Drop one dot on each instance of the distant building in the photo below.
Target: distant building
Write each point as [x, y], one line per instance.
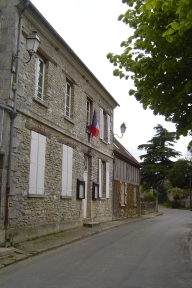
[126, 194]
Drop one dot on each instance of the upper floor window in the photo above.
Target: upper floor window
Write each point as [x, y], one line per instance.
[88, 112]
[104, 126]
[39, 77]
[68, 100]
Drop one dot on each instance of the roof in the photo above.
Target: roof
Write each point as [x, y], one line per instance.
[121, 152]
[44, 22]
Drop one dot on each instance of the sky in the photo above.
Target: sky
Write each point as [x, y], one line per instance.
[92, 30]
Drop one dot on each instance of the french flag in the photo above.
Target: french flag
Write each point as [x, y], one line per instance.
[93, 129]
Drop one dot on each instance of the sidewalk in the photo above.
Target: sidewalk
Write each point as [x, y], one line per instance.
[33, 247]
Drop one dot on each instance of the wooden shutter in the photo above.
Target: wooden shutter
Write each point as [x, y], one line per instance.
[100, 181]
[101, 124]
[108, 129]
[69, 168]
[37, 163]
[64, 171]
[107, 180]
[125, 193]
[36, 75]
[41, 164]
[33, 163]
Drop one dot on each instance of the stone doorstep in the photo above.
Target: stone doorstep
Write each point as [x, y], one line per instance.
[4, 252]
[91, 224]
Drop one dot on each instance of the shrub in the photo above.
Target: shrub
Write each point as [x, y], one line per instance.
[149, 197]
[178, 193]
[174, 204]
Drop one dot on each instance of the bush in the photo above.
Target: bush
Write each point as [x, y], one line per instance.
[178, 193]
[149, 197]
[174, 204]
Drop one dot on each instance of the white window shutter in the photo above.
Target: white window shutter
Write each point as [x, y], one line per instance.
[135, 196]
[41, 164]
[33, 163]
[107, 180]
[64, 171]
[67, 166]
[100, 181]
[101, 124]
[125, 193]
[70, 165]
[108, 129]
[36, 74]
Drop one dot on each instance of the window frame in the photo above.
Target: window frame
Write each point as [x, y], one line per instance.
[88, 110]
[37, 77]
[68, 96]
[105, 122]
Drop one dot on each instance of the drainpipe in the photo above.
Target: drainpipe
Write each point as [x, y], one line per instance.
[13, 115]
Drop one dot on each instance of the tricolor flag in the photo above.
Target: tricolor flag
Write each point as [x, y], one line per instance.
[93, 128]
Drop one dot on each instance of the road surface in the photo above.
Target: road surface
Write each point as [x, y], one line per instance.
[148, 254]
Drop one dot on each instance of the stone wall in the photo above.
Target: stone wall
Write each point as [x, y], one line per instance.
[35, 216]
[129, 209]
[148, 207]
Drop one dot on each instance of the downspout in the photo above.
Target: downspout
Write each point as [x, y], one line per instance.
[13, 115]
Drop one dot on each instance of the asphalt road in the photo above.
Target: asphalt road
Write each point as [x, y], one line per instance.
[147, 254]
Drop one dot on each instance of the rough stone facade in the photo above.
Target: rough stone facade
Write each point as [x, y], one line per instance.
[31, 216]
[126, 196]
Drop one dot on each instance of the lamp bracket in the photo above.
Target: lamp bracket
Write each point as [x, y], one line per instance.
[118, 136]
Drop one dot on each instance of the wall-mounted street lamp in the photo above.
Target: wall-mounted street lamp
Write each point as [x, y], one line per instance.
[32, 42]
[122, 129]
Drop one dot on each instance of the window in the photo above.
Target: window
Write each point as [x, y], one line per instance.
[123, 193]
[104, 126]
[39, 78]
[68, 100]
[103, 179]
[88, 112]
[37, 163]
[67, 163]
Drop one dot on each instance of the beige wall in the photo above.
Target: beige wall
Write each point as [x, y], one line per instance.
[35, 216]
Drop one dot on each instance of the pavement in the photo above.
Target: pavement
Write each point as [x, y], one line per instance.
[30, 248]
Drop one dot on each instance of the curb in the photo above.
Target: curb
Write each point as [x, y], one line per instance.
[14, 258]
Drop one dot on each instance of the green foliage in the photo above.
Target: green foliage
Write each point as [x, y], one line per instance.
[178, 175]
[161, 70]
[149, 197]
[178, 193]
[156, 162]
[182, 10]
[174, 204]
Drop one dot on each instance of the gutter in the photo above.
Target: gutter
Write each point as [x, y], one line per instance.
[13, 114]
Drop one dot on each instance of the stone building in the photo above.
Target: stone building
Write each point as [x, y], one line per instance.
[126, 194]
[52, 177]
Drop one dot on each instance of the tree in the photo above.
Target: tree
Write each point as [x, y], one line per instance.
[178, 175]
[161, 71]
[182, 19]
[156, 163]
